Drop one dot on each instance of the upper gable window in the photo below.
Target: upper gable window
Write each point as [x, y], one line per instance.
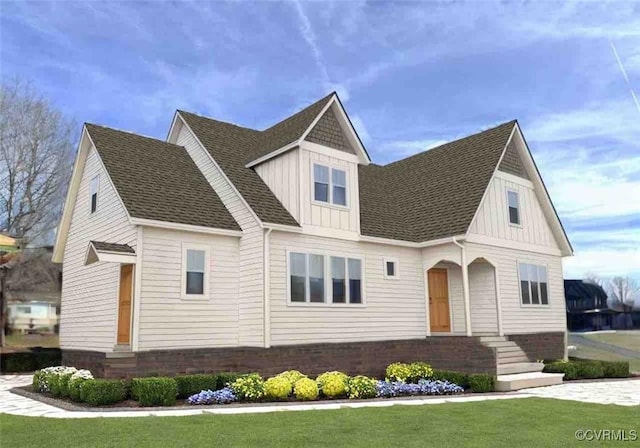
[95, 185]
[329, 185]
[195, 267]
[514, 207]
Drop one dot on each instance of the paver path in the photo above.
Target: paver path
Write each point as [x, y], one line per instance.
[626, 393]
[576, 339]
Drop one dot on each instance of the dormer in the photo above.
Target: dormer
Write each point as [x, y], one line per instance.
[315, 176]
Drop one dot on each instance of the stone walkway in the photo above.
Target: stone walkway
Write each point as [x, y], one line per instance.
[624, 393]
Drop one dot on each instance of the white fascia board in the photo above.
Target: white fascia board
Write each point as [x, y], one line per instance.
[185, 227]
[273, 154]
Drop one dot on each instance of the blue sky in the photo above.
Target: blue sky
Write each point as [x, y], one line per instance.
[411, 75]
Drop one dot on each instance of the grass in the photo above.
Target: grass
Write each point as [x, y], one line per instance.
[32, 340]
[625, 339]
[583, 352]
[502, 423]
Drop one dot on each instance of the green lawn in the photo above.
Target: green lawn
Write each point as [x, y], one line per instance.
[32, 340]
[519, 422]
[625, 339]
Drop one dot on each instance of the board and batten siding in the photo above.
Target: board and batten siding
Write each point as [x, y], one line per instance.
[89, 300]
[517, 318]
[393, 309]
[281, 174]
[250, 294]
[492, 219]
[169, 321]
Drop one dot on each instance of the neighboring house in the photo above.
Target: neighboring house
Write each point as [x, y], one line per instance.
[231, 248]
[587, 308]
[8, 244]
[33, 316]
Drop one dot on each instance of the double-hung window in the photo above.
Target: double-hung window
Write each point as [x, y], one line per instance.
[309, 284]
[534, 288]
[514, 207]
[195, 271]
[93, 193]
[329, 185]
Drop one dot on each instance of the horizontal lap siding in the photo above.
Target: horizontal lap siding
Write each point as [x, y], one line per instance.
[482, 298]
[250, 296]
[167, 320]
[394, 309]
[90, 293]
[516, 318]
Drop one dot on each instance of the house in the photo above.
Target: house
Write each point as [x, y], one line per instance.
[32, 316]
[587, 308]
[228, 248]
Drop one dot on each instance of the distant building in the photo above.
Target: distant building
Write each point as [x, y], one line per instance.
[33, 316]
[587, 308]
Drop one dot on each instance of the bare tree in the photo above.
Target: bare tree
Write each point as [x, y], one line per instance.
[623, 291]
[594, 279]
[36, 155]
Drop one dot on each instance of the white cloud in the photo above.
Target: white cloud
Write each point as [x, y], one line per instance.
[603, 262]
[361, 129]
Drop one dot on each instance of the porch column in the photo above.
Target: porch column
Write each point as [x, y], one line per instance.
[465, 290]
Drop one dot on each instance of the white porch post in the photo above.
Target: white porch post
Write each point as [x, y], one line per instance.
[465, 291]
[496, 278]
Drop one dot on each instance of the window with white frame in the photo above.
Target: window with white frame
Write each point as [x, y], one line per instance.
[93, 193]
[195, 271]
[329, 185]
[513, 200]
[309, 284]
[534, 289]
[390, 268]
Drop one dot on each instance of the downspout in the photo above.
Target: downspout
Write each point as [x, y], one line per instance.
[465, 285]
[266, 284]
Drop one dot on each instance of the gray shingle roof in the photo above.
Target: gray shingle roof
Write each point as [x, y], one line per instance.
[113, 247]
[431, 195]
[157, 180]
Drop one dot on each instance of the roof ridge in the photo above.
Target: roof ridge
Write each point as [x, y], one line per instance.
[147, 137]
[442, 146]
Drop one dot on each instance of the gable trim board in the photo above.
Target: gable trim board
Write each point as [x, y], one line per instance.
[187, 227]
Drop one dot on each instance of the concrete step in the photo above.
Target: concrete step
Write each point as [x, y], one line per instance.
[508, 349]
[517, 381]
[511, 357]
[519, 367]
[485, 339]
[500, 344]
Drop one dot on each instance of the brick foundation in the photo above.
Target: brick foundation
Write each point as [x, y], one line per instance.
[538, 346]
[465, 354]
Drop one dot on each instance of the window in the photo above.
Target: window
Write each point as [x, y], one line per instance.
[196, 266]
[24, 309]
[533, 284]
[330, 189]
[390, 268]
[95, 183]
[514, 207]
[309, 284]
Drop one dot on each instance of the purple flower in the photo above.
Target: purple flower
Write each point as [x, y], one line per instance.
[423, 387]
[222, 396]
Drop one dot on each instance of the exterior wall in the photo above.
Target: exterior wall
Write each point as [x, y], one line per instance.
[482, 298]
[281, 174]
[167, 320]
[250, 294]
[517, 318]
[392, 309]
[545, 346]
[328, 132]
[365, 358]
[492, 219]
[90, 293]
[329, 216]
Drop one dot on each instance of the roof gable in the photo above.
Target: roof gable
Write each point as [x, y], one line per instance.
[327, 132]
[512, 163]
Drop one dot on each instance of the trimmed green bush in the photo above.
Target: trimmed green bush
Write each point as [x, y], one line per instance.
[154, 391]
[29, 361]
[59, 385]
[226, 378]
[615, 369]
[459, 378]
[362, 387]
[249, 387]
[420, 371]
[481, 382]
[192, 384]
[590, 369]
[99, 392]
[569, 368]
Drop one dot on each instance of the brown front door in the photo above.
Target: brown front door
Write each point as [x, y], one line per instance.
[439, 300]
[124, 304]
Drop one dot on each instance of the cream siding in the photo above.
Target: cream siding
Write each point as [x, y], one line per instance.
[492, 219]
[250, 296]
[90, 293]
[482, 297]
[392, 309]
[169, 321]
[281, 174]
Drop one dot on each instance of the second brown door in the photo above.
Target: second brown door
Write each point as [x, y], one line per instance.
[439, 300]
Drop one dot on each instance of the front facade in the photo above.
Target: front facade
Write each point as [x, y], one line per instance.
[227, 248]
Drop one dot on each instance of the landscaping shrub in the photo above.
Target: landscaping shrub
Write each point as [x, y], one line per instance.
[192, 384]
[306, 389]
[420, 371]
[388, 389]
[226, 378]
[248, 387]
[481, 382]
[222, 396]
[154, 391]
[590, 369]
[459, 378]
[333, 384]
[398, 371]
[99, 392]
[292, 375]
[37, 358]
[277, 388]
[569, 368]
[53, 379]
[615, 369]
[362, 387]
[59, 384]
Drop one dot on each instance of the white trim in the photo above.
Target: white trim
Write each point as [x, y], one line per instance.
[273, 154]
[496, 279]
[514, 245]
[425, 281]
[465, 285]
[347, 187]
[207, 272]
[518, 208]
[184, 227]
[116, 343]
[353, 135]
[451, 329]
[266, 278]
[222, 173]
[282, 227]
[514, 179]
[396, 268]
[540, 305]
[135, 335]
[108, 256]
[328, 287]
[329, 152]
[392, 242]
